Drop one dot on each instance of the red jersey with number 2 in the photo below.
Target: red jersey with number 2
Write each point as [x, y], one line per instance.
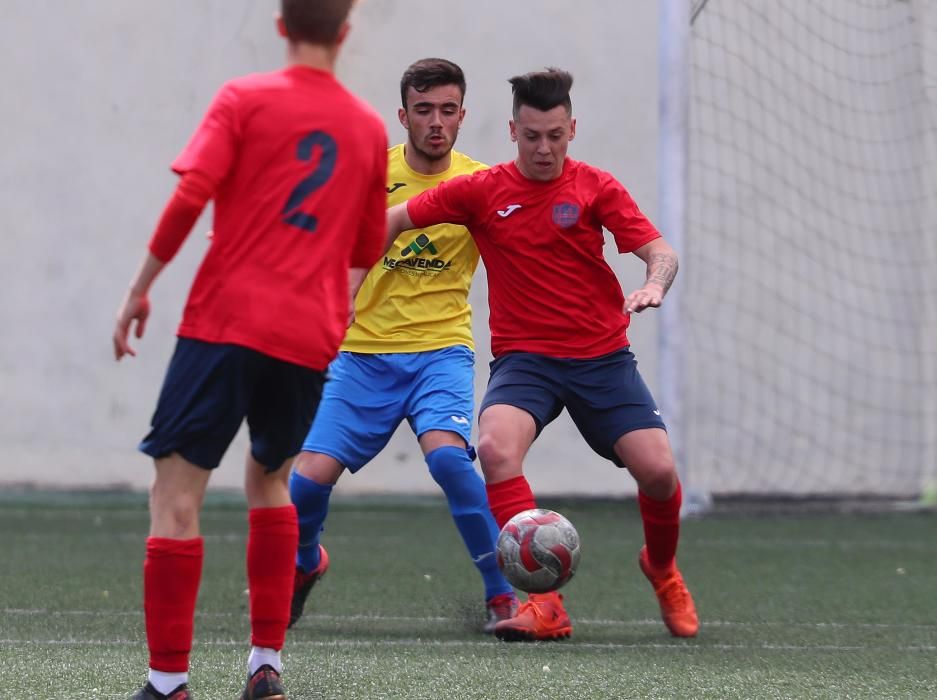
[298, 165]
[550, 289]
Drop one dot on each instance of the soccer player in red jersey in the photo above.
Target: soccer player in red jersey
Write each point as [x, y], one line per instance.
[558, 322]
[296, 166]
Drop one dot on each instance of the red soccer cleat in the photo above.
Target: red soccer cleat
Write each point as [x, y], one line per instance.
[303, 583]
[264, 685]
[499, 607]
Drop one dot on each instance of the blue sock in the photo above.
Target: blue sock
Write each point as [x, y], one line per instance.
[452, 469]
[312, 506]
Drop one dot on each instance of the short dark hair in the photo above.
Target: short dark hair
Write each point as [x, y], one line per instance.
[428, 73]
[542, 90]
[314, 21]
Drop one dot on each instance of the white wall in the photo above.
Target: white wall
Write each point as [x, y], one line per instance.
[99, 96]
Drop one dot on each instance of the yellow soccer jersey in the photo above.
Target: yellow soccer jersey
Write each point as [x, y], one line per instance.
[416, 297]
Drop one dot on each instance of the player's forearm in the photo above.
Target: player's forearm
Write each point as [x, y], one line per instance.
[356, 277]
[146, 274]
[662, 264]
[662, 270]
[398, 221]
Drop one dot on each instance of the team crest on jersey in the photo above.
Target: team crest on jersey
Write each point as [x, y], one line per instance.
[565, 214]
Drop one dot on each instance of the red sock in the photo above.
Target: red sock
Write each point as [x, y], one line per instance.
[508, 498]
[661, 527]
[271, 560]
[172, 571]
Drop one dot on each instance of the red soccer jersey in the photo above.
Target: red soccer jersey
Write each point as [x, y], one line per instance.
[298, 165]
[550, 290]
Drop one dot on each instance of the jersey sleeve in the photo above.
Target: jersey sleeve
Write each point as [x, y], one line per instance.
[455, 201]
[181, 212]
[213, 147]
[372, 232]
[618, 212]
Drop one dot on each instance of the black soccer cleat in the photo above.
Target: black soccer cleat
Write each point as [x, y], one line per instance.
[264, 685]
[303, 583]
[148, 692]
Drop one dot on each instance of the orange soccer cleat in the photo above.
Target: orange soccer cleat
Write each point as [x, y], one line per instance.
[542, 617]
[676, 603]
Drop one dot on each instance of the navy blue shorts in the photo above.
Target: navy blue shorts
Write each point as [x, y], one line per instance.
[605, 396]
[210, 388]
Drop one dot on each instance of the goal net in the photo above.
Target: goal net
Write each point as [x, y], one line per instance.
[809, 269]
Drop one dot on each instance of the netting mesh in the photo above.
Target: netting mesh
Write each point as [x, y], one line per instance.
[809, 270]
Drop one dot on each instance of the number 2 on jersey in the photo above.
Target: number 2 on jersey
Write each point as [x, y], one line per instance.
[323, 171]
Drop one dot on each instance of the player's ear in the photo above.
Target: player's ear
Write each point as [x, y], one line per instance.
[281, 25]
[404, 119]
[342, 33]
[572, 129]
[513, 128]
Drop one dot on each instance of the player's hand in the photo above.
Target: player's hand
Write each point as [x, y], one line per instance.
[134, 308]
[650, 295]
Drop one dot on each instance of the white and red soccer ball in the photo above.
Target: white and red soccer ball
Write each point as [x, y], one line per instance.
[538, 550]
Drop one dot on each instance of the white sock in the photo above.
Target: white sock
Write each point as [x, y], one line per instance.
[167, 682]
[262, 655]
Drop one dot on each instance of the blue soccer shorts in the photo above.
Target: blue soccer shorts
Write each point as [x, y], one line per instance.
[605, 396]
[368, 395]
[210, 388]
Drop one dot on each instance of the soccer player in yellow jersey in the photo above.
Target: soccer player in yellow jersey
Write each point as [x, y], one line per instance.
[409, 351]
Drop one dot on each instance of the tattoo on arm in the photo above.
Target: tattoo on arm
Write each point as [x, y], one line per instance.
[661, 269]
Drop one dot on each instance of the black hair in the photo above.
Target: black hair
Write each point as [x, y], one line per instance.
[542, 90]
[428, 73]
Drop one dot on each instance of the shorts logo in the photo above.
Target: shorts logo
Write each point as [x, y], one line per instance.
[461, 420]
[565, 214]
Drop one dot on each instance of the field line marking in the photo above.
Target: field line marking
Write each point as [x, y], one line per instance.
[597, 622]
[489, 643]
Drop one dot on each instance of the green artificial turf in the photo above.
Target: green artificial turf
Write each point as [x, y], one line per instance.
[800, 606]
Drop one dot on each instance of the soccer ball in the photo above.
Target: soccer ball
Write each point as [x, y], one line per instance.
[538, 550]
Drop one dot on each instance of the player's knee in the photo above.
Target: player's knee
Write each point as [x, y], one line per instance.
[174, 516]
[319, 467]
[657, 479]
[498, 461]
[452, 469]
[449, 463]
[492, 452]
